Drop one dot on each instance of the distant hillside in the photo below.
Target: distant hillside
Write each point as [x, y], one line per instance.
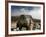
[15, 18]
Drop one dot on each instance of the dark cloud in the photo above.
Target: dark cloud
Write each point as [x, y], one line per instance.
[18, 8]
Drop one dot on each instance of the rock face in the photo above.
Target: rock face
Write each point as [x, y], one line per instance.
[24, 22]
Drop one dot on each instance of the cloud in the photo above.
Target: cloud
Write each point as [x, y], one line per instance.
[35, 12]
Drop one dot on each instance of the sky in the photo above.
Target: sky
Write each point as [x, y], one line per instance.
[27, 10]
